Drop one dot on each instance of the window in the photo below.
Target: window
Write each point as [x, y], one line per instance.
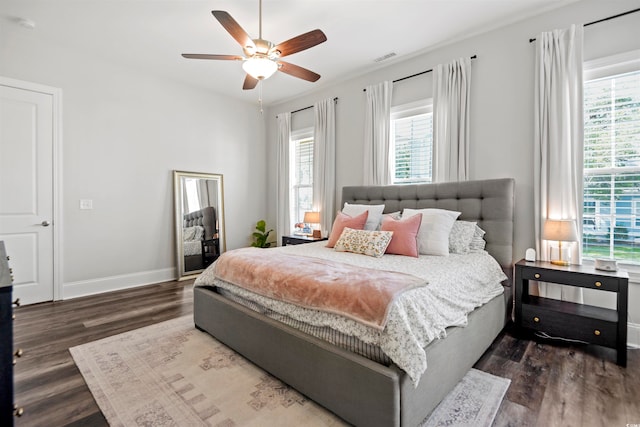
[412, 142]
[611, 226]
[301, 199]
[191, 190]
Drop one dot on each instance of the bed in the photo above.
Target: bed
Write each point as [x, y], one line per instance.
[359, 390]
[200, 244]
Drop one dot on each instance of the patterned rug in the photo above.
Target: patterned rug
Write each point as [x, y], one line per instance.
[171, 374]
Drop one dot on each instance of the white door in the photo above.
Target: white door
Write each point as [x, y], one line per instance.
[26, 190]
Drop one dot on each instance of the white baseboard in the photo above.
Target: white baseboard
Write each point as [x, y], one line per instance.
[633, 335]
[101, 285]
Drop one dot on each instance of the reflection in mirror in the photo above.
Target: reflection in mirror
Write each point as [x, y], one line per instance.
[199, 220]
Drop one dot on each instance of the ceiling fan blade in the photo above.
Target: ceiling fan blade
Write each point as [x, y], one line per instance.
[234, 29]
[301, 42]
[297, 71]
[220, 57]
[249, 82]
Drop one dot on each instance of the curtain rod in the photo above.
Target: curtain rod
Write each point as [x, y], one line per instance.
[310, 106]
[416, 74]
[603, 19]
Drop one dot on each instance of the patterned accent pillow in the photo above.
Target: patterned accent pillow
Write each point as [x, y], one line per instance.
[461, 235]
[366, 242]
[343, 220]
[477, 243]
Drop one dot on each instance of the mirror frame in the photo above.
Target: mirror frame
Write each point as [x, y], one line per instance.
[178, 198]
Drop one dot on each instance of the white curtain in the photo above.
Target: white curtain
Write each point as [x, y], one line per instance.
[558, 152]
[283, 225]
[324, 162]
[451, 96]
[377, 170]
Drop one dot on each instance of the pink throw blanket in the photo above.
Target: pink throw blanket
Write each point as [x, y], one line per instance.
[362, 294]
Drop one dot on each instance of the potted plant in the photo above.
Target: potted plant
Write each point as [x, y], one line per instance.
[261, 235]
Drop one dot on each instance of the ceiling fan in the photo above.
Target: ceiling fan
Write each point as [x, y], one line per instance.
[262, 58]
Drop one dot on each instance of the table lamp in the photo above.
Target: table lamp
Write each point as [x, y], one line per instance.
[312, 218]
[562, 230]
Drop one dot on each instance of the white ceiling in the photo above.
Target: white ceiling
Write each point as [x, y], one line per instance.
[151, 34]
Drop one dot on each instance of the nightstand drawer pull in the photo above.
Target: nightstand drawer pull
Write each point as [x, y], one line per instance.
[537, 276]
[536, 319]
[596, 333]
[598, 284]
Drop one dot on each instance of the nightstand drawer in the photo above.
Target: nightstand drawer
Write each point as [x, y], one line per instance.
[602, 283]
[567, 325]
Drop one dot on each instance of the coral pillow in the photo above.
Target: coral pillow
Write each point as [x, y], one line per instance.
[405, 234]
[343, 220]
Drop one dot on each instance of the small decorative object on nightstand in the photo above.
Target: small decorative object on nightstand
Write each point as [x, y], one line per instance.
[596, 325]
[299, 240]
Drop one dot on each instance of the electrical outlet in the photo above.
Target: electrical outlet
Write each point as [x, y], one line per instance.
[86, 204]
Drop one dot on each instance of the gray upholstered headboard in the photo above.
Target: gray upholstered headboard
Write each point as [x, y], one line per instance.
[206, 217]
[489, 202]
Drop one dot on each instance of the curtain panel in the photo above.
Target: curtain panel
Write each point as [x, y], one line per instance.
[324, 162]
[283, 226]
[377, 170]
[558, 145]
[451, 106]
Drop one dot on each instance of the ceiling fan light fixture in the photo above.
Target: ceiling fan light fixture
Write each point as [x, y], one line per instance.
[260, 67]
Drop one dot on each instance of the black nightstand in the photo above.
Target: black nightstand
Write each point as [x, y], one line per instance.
[595, 325]
[299, 240]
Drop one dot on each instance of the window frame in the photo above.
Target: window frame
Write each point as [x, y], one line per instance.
[295, 138]
[408, 110]
[599, 68]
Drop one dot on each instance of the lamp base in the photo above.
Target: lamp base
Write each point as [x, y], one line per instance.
[560, 262]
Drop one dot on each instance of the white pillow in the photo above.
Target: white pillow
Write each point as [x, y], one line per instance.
[375, 214]
[433, 237]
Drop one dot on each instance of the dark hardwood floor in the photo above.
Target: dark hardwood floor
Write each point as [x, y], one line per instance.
[551, 385]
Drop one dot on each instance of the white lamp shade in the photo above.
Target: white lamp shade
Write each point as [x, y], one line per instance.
[311, 217]
[563, 230]
[259, 67]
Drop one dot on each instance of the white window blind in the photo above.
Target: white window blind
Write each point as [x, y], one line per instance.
[302, 188]
[412, 143]
[611, 211]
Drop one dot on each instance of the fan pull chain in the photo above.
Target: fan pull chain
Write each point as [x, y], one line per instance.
[260, 96]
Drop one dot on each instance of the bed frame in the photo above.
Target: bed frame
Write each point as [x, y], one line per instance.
[360, 391]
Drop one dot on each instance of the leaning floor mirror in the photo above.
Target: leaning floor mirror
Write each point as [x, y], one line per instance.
[199, 221]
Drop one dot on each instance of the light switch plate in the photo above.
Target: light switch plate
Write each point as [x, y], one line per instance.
[86, 204]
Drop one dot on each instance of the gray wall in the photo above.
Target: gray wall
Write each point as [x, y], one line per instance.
[501, 103]
[124, 131]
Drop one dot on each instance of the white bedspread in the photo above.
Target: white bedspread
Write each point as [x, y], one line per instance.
[457, 284]
[192, 247]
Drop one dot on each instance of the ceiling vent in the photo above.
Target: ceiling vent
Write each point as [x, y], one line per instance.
[385, 57]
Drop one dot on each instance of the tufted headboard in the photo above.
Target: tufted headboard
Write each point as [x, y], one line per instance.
[489, 202]
[206, 217]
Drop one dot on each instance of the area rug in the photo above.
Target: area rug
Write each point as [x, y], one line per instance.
[171, 374]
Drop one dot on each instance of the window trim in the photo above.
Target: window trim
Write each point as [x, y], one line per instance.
[410, 109]
[603, 67]
[296, 135]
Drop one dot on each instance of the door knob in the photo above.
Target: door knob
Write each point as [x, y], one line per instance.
[45, 223]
